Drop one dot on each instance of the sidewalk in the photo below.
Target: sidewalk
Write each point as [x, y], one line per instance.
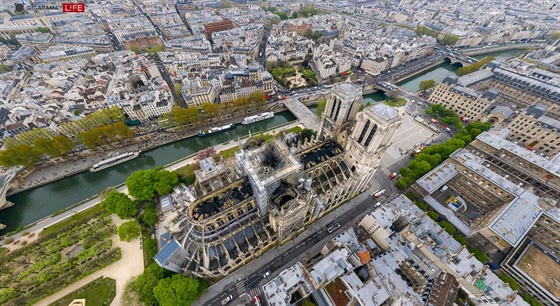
[264, 260]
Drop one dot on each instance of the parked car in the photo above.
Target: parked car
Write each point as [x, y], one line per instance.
[266, 274]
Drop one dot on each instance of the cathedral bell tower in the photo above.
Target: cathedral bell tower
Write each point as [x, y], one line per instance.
[343, 103]
[374, 129]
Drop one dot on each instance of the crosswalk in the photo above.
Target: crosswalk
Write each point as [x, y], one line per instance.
[240, 287]
[255, 292]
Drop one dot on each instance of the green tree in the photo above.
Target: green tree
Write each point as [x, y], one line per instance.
[128, 231]
[180, 114]
[164, 181]
[120, 204]
[316, 36]
[449, 39]
[282, 15]
[177, 290]
[210, 109]
[149, 216]
[257, 99]
[426, 84]
[122, 131]
[140, 184]
[178, 88]
[145, 184]
[135, 49]
[307, 302]
[155, 49]
[474, 66]
[19, 154]
[147, 281]
[321, 107]
[43, 30]
[193, 114]
[294, 15]
[307, 133]
[4, 68]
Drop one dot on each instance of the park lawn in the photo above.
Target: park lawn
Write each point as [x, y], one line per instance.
[399, 102]
[99, 292]
[227, 153]
[83, 215]
[185, 171]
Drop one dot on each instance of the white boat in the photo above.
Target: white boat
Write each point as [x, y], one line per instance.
[115, 160]
[257, 118]
[216, 130]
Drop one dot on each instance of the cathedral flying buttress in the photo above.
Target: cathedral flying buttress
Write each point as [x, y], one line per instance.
[270, 192]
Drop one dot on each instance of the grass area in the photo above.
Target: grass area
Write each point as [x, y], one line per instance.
[64, 254]
[229, 152]
[149, 246]
[76, 218]
[99, 292]
[397, 103]
[186, 174]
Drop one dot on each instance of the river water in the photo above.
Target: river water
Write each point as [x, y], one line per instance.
[439, 72]
[40, 202]
[35, 204]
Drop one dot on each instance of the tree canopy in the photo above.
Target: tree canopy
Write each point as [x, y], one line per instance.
[177, 290]
[19, 154]
[146, 282]
[433, 155]
[120, 204]
[445, 115]
[449, 39]
[4, 68]
[426, 84]
[128, 231]
[474, 66]
[145, 184]
[149, 216]
[321, 107]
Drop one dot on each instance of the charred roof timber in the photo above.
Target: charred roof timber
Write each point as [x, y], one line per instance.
[271, 158]
[220, 202]
[320, 154]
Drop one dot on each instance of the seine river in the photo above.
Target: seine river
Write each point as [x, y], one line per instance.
[35, 204]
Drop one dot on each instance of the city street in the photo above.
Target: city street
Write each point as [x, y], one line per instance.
[307, 245]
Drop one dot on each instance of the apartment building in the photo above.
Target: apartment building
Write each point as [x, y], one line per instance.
[536, 131]
[493, 190]
[198, 91]
[468, 103]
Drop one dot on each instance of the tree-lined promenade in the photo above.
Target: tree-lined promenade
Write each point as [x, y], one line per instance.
[105, 130]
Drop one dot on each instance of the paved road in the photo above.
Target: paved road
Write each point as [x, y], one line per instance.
[304, 247]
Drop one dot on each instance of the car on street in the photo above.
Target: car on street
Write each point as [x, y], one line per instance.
[227, 299]
[377, 194]
[266, 274]
[393, 175]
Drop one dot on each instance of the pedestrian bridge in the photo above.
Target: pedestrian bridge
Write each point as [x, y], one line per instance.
[5, 180]
[306, 116]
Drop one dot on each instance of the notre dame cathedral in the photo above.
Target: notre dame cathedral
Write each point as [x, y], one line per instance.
[271, 191]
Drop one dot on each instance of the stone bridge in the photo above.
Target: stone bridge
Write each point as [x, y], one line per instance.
[483, 50]
[306, 116]
[5, 180]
